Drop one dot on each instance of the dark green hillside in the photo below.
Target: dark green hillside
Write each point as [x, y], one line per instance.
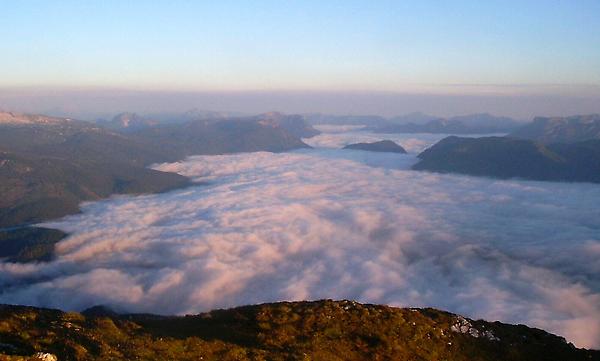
[28, 244]
[322, 330]
[77, 141]
[37, 188]
[504, 157]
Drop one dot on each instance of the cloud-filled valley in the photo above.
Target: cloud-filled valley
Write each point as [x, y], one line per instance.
[335, 136]
[328, 223]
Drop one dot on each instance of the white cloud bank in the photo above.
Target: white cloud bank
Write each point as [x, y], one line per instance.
[323, 224]
[338, 136]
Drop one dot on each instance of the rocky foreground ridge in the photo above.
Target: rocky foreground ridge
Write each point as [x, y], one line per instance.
[320, 330]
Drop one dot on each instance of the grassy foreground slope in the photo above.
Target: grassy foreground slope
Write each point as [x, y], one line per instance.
[321, 330]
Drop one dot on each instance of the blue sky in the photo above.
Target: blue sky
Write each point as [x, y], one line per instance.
[437, 46]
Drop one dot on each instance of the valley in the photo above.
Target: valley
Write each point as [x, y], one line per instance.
[307, 208]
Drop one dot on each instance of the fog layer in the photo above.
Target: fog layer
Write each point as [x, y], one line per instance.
[328, 223]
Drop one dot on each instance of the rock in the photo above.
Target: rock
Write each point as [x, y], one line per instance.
[45, 356]
[464, 326]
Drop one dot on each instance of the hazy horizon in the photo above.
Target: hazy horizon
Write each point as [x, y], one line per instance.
[89, 104]
[386, 58]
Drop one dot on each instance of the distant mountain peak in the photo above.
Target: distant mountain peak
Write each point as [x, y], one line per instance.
[294, 124]
[561, 129]
[128, 119]
[20, 118]
[273, 114]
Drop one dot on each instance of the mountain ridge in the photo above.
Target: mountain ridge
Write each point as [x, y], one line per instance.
[418, 122]
[506, 157]
[48, 166]
[304, 330]
[570, 129]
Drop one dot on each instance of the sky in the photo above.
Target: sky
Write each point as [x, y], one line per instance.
[475, 48]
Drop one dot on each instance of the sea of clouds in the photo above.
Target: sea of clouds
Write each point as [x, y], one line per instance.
[330, 223]
[337, 136]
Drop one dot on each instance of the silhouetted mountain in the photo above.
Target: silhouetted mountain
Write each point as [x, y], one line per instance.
[381, 146]
[219, 137]
[295, 124]
[505, 157]
[99, 311]
[432, 126]
[467, 124]
[487, 121]
[128, 122]
[370, 120]
[409, 123]
[125, 122]
[320, 330]
[201, 114]
[414, 118]
[561, 129]
[190, 115]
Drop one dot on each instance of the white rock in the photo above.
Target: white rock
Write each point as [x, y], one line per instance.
[45, 356]
[462, 325]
